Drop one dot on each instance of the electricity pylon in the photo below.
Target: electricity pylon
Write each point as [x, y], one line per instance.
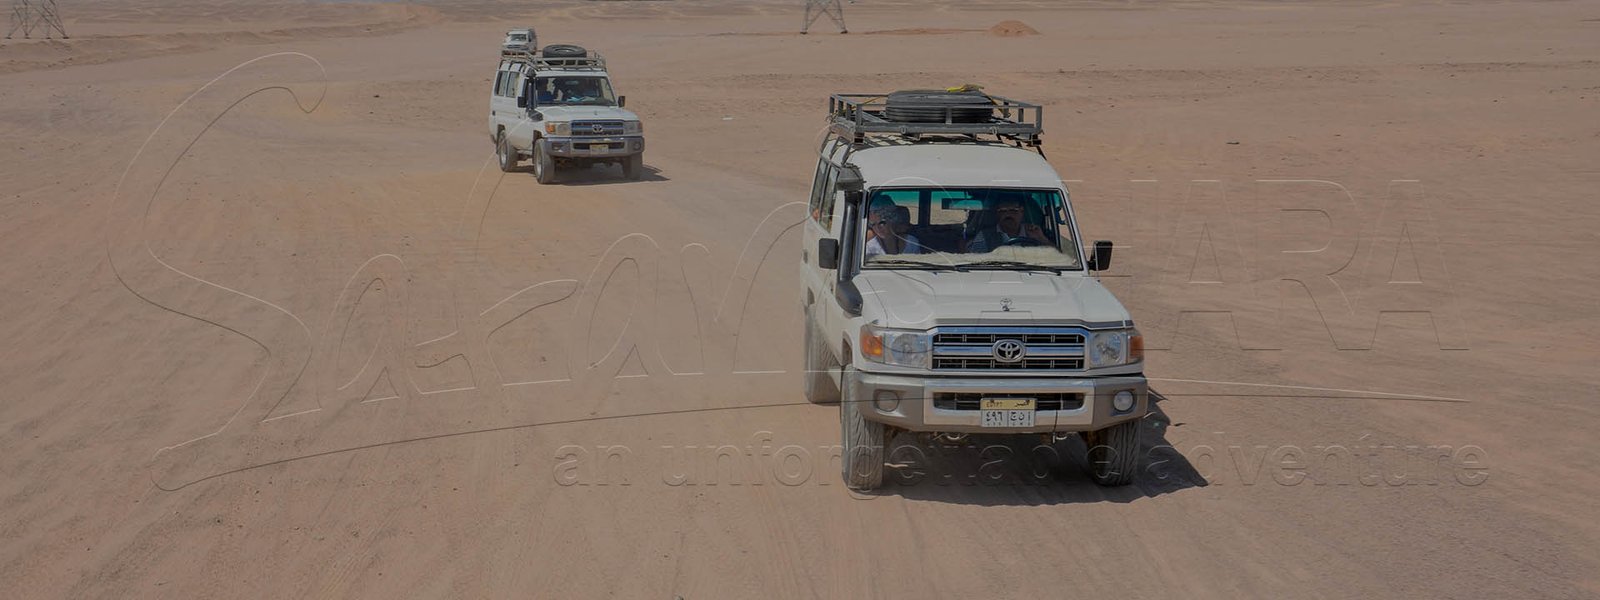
[29, 15]
[817, 8]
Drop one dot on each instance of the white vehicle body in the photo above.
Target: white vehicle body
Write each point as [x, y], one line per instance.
[523, 41]
[961, 345]
[525, 122]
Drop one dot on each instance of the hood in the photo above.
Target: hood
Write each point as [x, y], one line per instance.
[577, 113]
[923, 299]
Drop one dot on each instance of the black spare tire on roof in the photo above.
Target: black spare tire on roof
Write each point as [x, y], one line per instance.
[564, 51]
[931, 106]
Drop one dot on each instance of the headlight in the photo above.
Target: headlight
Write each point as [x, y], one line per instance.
[563, 128]
[632, 127]
[896, 347]
[1115, 348]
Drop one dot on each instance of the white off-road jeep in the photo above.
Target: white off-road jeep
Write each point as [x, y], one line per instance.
[520, 41]
[946, 290]
[556, 107]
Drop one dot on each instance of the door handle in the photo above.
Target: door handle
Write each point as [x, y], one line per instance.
[805, 256]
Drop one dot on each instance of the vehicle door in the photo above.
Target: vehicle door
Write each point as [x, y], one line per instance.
[503, 101]
[820, 223]
[521, 130]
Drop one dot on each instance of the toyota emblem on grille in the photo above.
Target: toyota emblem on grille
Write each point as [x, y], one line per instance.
[598, 128]
[1009, 351]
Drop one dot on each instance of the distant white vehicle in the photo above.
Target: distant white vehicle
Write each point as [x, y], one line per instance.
[520, 41]
[557, 108]
[947, 292]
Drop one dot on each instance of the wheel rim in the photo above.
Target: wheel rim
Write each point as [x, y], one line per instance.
[538, 163]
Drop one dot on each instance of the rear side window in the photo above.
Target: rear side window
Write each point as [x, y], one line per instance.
[816, 191]
[505, 83]
[828, 196]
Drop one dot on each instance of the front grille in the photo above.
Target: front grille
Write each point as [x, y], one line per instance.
[1042, 402]
[590, 128]
[1056, 364]
[974, 348]
[974, 336]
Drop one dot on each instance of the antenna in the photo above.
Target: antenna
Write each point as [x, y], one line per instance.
[29, 15]
[817, 8]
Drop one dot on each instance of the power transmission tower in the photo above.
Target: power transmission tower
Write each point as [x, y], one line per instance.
[29, 15]
[817, 8]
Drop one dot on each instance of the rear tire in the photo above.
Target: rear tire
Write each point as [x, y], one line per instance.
[544, 167]
[506, 155]
[819, 387]
[1113, 453]
[633, 167]
[862, 462]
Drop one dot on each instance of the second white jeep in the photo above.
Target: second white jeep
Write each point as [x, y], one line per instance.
[557, 108]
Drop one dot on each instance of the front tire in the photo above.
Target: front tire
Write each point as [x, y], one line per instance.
[505, 153]
[544, 167]
[862, 462]
[1113, 453]
[819, 387]
[633, 167]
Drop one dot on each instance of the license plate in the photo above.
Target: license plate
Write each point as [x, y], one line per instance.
[1006, 412]
[599, 148]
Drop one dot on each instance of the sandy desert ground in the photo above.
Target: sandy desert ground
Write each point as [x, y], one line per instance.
[275, 326]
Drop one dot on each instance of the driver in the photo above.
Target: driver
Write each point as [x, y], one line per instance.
[1010, 225]
[577, 90]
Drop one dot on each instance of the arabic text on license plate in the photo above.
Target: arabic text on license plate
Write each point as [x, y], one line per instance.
[1006, 412]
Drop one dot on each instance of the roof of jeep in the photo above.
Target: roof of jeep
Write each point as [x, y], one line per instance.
[954, 165]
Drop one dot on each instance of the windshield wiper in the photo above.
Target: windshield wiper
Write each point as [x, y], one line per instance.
[1009, 265]
[896, 263]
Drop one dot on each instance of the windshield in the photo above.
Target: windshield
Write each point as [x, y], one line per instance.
[573, 91]
[968, 229]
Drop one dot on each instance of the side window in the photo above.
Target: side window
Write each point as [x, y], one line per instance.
[505, 78]
[815, 206]
[829, 195]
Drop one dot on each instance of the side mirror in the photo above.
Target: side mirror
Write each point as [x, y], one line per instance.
[828, 253]
[1101, 259]
[622, 101]
[854, 197]
[522, 101]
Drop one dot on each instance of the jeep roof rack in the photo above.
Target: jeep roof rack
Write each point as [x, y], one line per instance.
[858, 117]
[592, 62]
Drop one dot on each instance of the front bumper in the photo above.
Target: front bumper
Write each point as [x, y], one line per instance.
[597, 147]
[916, 410]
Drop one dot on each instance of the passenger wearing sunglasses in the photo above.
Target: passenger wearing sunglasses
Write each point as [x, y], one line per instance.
[890, 225]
